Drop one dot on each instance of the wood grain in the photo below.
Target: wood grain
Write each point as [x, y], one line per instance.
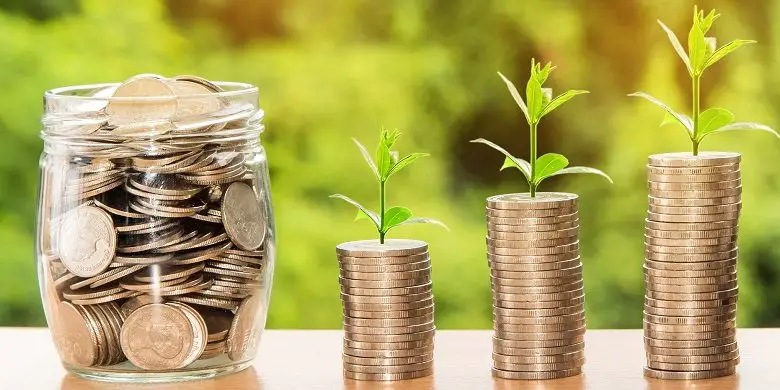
[312, 360]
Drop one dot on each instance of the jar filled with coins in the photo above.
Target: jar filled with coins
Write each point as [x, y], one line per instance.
[155, 243]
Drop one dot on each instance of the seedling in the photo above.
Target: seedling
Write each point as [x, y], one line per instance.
[387, 164]
[703, 52]
[540, 103]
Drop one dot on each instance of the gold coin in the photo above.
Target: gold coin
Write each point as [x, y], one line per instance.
[243, 216]
[524, 201]
[388, 376]
[397, 361]
[555, 250]
[567, 365]
[425, 337]
[529, 213]
[688, 375]
[526, 328]
[387, 291]
[533, 244]
[685, 160]
[693, 171]
[386, 299]
[386, 276]
[87, 241]
[399, 306]
[694, 178]
[674, 260]
[532, 259]
[701, 304]
[383, 260]
[570, 348]
[545, 343]
[389, 314]
[677, 328]
[559, 296]
[688, 344]
[693, 366]
[721, 266]
[380, 284]
[539, 359]
[563, 319]
[522, 229]
[533, 221]
[551, 274]
[531, 267]
[692, 281]
[536, 375]
[694, 359]
[372, 248]
[690, 289]
[532, 282]
[686, 250]
[693, 202]
[244, 334]
[694, 186]
[139, 339]
[703, 351]
[388, 322]
[690, 335]
[691, 234]
[539, 336]
[411, 328]
[388, 349]
[426, 264]
[674, 312]
[693, 218]
[726, 208]
[530, 236]
[703, 194]
[554, 312]
[705, 296]
[501, 289]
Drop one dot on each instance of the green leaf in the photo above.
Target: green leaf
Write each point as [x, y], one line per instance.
[713, 119]
[677, 46]
[533, 95]
[726, 50]
[577, 170]
[416, 220]
[742, 126]
[560, 99]
[404, 162]
[370, 214]
[548, 164]
[367, 157]
[682, 119]
[516, 96]
[395, 216]
[697, 49]
[519, 163]
[384, 159]
[540, 73]
[706, 22]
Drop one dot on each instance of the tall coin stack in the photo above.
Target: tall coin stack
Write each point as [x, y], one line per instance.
[536, 276]
[388, 309]
[691, 265]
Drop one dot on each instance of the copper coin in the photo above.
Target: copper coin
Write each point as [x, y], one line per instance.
[539, 359]
[397, 361]
[694, 359]
[691, 241]
[501, 289]
[245, 330]
[411, 328]
[703, 159]
[538, 259]
[693, 202]
[675, 312]
[566, 365]
[564, 319]
[523, 229]
[389, 314]
[704, 194]
[556, 242]
[694, 186]
[703, 343]
[575, 347]
[690, 335]
[533, 221]
[383, 260]
[551, 274]
[693, 366]
[536, 375]
[535, 313]
[693, 171]
[75, 339]
[688, 375]
[691, 234]
[148, 324]
[529, 213]
[373, 369]
[426, 264]
[536, 344]
[534, 251]
[524, 201]
[538, 336]
[703, 351]
[693, 218]
[388, 376]
[701, 304]
[548, 235]
[694, 178]
[425, 337]
[372, 248]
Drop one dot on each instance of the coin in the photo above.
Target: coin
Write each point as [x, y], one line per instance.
[536, 282]
[690, 234]
[502, 327]
[539, 359]
[688, 375]
[397, 361]
[388, 376]
[703, 351]
[704, 296]
[694, 359]
[700, 304]
[148, 324]
[692, 262]
[693, 226]
[690, 289]
[411, 328]
[693, 202]
[555, 250]
[532, 244]
[537, 336]
[689, 312]
[366, 369]
[550, 274]
[566, 365]
[706, 194]
[386, 268]
[425, 337]
[389, 314]
[693, 171]
[524, 201]
[534, 221]
[542, 343]
[554, 312]
[536, 375]
[557, 296]
[385, 299]
[508, 228]
[564, 319]
[388, 322]
[244, 332]
[702, 343]
[383, 260]
[75, 338]
[694, 186]
[532, 259]
[687, 328]
[575, 347]
[694, 178]
[387, 291]
[87, 241]
[703, 159]
[372, 248]
[386, 276]
[544, 289]
[243, 216]
[692, 218]
[387, 349]
[693, 366]
[345, 282]
[529, 213]
[689, 335]
[725, 208]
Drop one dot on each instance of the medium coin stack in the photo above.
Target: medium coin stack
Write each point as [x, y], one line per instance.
[691, 265]
[156, 254]
[388, 309]
[536, 276]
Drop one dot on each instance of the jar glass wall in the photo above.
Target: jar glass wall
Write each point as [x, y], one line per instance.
[155, 241]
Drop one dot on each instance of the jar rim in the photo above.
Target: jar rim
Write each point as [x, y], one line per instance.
[79, 93]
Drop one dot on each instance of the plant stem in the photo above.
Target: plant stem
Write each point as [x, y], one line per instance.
[696, 109]
[381, 212]
[533, 159]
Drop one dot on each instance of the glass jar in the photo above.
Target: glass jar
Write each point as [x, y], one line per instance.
[155, 235]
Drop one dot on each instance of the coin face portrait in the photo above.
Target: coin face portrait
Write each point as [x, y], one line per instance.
[243, 216]
[87, 241]
[163, 339]
[157, 337]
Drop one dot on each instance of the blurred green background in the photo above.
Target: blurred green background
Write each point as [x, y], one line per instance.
[330, 70]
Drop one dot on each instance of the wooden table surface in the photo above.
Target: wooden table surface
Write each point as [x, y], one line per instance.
[312, 360]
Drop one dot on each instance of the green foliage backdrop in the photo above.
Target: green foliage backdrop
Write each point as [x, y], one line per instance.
[331, 70]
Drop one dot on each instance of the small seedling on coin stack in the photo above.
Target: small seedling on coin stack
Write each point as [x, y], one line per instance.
[703, 52]
[539, 102]
[387, 164]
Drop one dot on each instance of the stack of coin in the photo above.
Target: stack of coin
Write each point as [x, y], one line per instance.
[536, 276]
[691, 265]
[156, 230]
[388, 309]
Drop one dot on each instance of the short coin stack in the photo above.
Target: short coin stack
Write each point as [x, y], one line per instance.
[536, 275]
[388, 309]
[691, 265]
